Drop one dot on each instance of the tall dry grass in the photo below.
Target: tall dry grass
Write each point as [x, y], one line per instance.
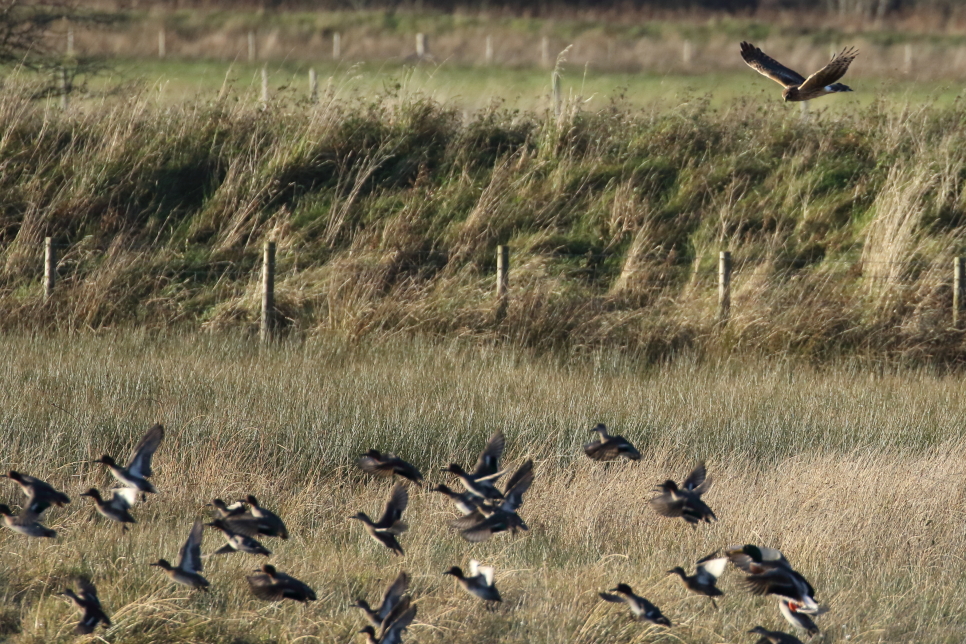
[387, 212]
[856, 474]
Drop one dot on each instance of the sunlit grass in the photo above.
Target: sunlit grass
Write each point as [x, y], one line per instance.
[855, 474]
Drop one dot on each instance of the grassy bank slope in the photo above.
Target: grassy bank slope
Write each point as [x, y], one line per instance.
[387, 213]
[857, 477]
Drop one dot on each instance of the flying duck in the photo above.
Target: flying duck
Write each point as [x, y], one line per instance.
[139, 467]
[390, 525]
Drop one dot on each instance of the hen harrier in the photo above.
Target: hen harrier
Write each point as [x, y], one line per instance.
[797, 87]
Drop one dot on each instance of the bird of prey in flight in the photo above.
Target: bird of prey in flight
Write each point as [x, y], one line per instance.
[797, 87]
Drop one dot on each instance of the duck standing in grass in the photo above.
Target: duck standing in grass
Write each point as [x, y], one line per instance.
[392, 629]
[237, 542]
[608, 447]
[390, 599]
[705, 578]
[189, 566]
[774, 637]
[118, 507]
[87, 603]
[480, 481]
[479, 582]
[271, 585]
[640, 607]
[26, 523]
[685, 500]
[390, 525]
[139, 467]
[387, 464]
[40, 494]
[491, 517]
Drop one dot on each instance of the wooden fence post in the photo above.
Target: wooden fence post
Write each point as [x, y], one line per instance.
[488, 56]
[70, 42]
[907, 60]
[336, 45]
[422, 46]
[264, 84]
[545, 51]
[959, 286]
[686, 52]
[502, 280]
[313, 86]
[251, 46]
[64, 88]
[162, 44]
[50, 267]
[268, 292]
[724, 285]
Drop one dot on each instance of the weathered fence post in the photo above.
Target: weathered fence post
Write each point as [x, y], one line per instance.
[337, 45]
[488, 56]
[545, 51]
[724, 285]
[162, 44]
[50, 267]
[959, 289]
[686, 52]
[502, 280]
[264, 84]
[64, 88]
[70, 42]
[268, 292]
[313, 86]
[907, 60]
[251, 46]
[422, 46]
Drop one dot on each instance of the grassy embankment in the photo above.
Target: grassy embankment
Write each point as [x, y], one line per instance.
[387, 212]
[857, 476]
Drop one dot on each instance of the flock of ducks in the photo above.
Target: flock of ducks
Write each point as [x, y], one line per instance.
[486, 510]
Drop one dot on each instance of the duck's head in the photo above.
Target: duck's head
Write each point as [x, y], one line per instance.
[622, 588]
[668, 486]
[758, 630]
[361, 516]
[368, 630]
[250, 500]
[16, 476]
[93, 493]
[162, 563]
[677, 570]
[453, 468]
[106, 460]
[361, 603]
[456, 571]
[445, 489]
[599, 427]
[269, 570]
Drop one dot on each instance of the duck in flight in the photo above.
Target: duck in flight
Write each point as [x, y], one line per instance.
[797, 87]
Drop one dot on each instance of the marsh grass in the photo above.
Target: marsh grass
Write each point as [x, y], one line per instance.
[855, 473]
[387, 211]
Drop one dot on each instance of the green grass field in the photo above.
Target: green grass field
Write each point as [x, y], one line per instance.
[473, 88]
[856, 475]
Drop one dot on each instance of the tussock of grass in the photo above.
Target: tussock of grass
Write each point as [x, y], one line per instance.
[855, 475]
